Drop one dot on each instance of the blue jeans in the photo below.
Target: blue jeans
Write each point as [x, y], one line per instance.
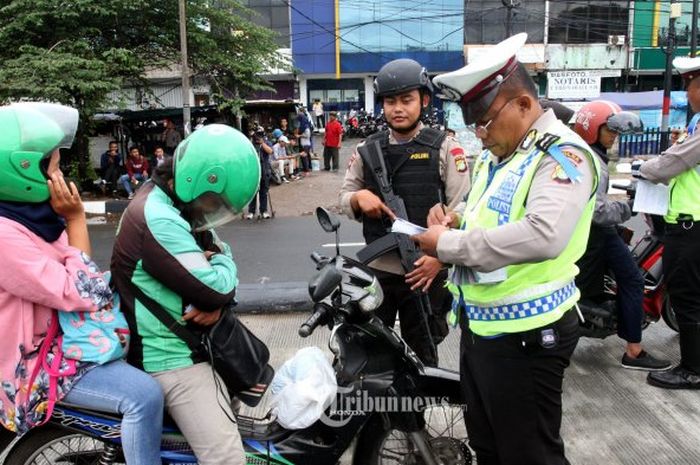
[120, 388]
[124, 180]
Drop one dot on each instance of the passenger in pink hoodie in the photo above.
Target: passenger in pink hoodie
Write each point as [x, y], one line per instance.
[46, 265]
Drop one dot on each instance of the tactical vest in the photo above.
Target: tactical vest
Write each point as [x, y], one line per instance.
[528, 295]
[684, 197]
[413, 169]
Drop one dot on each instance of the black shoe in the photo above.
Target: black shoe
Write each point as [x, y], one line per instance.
[645, 361]
[676, 378]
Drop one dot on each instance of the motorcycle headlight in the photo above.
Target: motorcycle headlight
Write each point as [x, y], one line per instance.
[374, 297]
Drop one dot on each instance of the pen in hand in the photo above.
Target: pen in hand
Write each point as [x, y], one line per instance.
[442, 201]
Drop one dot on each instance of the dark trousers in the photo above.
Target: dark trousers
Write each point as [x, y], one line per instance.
[305, 157]
[330, 158]
[398, 297]
[681, 262]
[261, 195]
[607, 251]
[512, 386]
[111, 176]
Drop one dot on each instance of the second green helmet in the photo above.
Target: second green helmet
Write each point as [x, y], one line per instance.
[216, 173]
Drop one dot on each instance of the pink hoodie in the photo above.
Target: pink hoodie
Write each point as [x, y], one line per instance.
[36, 277]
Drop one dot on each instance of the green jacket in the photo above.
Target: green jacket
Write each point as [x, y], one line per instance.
[156, 251]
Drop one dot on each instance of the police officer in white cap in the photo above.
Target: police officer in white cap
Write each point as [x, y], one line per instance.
[514, 245]
[679, 167]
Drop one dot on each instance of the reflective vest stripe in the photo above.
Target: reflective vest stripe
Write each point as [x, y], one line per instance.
[538, 306]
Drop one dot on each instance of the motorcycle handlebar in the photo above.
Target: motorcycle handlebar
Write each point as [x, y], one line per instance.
[318, 316]
[630, 189]
[319, 259]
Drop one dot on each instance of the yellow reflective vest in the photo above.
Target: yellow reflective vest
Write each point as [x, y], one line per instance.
[527, 295]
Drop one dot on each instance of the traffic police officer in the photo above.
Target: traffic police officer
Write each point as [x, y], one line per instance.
[521, 230]
[679, 167]
[424, 167]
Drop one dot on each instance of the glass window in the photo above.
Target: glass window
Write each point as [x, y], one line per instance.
[587, 22]
[271, 14]
[316, 95]
[401, 25]
[486, 20]
[333, 96]
[351, 95]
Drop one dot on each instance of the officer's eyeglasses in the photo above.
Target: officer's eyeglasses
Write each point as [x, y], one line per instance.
[482, 130]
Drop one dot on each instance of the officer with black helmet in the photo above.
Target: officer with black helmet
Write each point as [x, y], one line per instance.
[424, 168]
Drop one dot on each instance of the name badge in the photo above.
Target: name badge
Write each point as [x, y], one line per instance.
[493, 277]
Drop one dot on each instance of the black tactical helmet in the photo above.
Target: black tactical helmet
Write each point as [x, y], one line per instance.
[400, 76]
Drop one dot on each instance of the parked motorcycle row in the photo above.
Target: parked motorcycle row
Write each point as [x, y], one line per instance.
[360, 124]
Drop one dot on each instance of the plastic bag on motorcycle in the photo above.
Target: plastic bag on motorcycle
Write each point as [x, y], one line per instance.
[303, 388]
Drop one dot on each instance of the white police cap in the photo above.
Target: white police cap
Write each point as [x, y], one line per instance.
[475, 86]
[688, 67]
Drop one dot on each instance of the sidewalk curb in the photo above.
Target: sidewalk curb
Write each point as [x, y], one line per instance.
[102, 207]
[272, 298]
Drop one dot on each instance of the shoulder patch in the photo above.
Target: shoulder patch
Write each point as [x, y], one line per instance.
[457, 151]
[461, 163]
[558, 174]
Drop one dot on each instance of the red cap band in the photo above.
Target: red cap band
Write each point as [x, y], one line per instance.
[490, 82]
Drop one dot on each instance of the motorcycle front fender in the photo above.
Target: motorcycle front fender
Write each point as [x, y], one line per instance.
[440, 383]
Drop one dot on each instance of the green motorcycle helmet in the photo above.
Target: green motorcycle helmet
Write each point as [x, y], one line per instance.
[30, 133]
[216, 173]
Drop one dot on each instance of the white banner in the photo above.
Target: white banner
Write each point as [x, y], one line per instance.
[573, 84]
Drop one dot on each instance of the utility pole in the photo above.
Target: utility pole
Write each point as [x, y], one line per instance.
[693, 44]
[510, 4]
[186, 124]
[670, 49]
[694, 29]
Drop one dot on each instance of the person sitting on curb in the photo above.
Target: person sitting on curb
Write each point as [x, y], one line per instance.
[281, 159]
[136, 171]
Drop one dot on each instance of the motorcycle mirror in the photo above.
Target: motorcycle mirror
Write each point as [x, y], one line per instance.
[324, 283]
[328, 221]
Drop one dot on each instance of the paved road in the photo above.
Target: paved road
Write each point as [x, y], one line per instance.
[274, 251]
[611, 416]
[271, 251]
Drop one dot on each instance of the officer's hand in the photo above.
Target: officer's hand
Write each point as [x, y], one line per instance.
[370, 205]
[428, 240]
[636, 165]
[202, 318]
[426, 268]
[439, 216]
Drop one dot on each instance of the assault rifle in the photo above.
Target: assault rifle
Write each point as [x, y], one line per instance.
[408, 251]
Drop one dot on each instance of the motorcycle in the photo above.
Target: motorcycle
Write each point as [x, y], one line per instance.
[600, 317]
[352, 126]
[390, 407]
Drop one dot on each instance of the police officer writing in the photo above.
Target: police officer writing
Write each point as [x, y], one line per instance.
[514, 248]
[679, 167]
[422, 166]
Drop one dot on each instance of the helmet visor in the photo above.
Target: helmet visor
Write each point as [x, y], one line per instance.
[625, 122]
[208, 211]
[65, 120]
